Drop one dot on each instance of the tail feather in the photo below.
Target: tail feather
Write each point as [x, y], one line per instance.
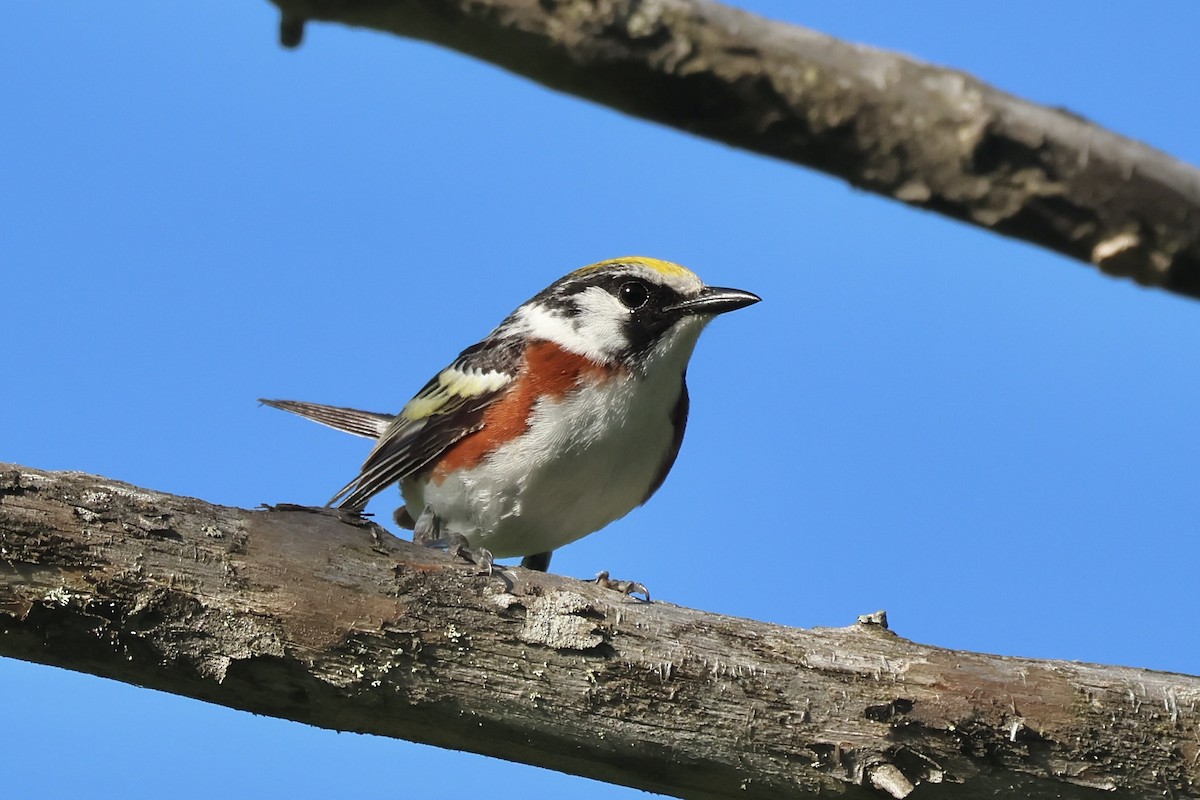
[367, 424]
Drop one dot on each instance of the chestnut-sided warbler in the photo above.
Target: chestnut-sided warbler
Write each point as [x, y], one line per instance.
[564, 418]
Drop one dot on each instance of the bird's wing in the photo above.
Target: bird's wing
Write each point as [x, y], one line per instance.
[448, 408]
[348, 420]
[679, 415]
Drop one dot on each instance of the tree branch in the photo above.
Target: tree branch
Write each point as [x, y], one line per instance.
[299, 615]
[931, 137]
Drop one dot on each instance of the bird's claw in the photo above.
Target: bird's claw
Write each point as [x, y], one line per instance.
[459, 547]
[427, 532]
[624, 587]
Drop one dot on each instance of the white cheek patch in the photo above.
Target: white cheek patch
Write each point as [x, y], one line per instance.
[603, 320]
[597, 332]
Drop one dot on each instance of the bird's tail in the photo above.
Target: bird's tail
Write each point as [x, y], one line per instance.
[367, 424]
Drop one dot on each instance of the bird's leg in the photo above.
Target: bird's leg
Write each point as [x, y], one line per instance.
[427, 532]
[539, 562]
[624, 587]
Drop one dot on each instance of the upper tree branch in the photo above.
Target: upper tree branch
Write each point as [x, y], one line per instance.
[299, 615]
[931, 137]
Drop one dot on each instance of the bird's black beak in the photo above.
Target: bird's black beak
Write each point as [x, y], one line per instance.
[715, 300]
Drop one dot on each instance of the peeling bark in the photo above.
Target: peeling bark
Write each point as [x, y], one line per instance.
[301, 615]
[931, 137]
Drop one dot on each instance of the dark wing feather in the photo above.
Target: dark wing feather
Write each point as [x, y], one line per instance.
[448, 408]
[679, 415]
[410, 446]
[349, 420]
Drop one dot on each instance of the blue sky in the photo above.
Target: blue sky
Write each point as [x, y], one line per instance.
[997, 445]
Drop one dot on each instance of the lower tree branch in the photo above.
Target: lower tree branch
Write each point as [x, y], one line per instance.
[301, 615]
[925, 135]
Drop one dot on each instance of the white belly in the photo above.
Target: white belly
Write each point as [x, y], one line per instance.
[585, 461]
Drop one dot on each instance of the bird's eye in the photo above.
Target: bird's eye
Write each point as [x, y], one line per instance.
[633, 294]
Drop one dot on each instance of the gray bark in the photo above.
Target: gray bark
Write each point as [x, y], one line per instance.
[931, 137]
[304, 616]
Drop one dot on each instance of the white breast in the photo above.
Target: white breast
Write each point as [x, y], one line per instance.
[586, 460]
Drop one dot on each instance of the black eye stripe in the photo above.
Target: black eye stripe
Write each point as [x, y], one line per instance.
[561, 297]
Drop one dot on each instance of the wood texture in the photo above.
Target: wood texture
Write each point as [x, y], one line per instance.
[303, 616]
[931, 137]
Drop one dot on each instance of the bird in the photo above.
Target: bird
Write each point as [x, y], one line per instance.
[563, 419]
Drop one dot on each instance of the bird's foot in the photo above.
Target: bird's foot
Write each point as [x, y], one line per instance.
[458, 547]
[624, 587]
[427, 532]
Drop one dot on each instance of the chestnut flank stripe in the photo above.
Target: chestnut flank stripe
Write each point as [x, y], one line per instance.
[548, 371]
